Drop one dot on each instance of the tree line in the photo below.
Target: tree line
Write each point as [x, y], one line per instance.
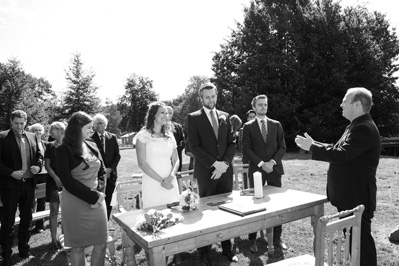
[302, 54]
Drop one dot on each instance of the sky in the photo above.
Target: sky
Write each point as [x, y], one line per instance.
[166, 41]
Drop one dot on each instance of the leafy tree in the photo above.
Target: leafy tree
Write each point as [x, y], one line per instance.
[39, 102]
[14, 82]
[81, 94]
[25, 92]
[190, 100]
[133, 105]
[304, 55]
[113, 115]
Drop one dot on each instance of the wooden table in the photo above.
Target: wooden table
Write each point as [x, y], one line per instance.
[208, 225]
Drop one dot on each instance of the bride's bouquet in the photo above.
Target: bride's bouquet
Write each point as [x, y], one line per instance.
[189, 200]
[154, 221]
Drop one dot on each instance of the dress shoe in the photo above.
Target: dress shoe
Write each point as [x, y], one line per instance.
[394, 236]
[56, 246]
[26, 255]
[230, 256]
[38, 230]
[280, 244]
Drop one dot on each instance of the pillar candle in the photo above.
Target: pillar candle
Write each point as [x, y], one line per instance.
[258, 185]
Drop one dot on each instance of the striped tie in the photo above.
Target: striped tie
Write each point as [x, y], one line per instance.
[264, 131]
[214, 124]
[22, 146]
[102, 142]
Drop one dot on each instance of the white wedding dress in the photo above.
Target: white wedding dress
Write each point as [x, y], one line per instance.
[158, 156]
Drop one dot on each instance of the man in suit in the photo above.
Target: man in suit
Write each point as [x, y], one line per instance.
[212, 144]
[41, 178]
[353, 165]
[20, 160]
[264, 147]
[107, 143]
[178, 133]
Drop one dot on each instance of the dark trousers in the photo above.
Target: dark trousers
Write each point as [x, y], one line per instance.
[109, 190]
[368, 251]
[40, 203]
[191, 165]
[179, 154]
[210, 187]
[272, 181]
[21, 197]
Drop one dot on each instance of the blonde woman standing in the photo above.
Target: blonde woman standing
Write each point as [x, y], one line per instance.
[53, 183]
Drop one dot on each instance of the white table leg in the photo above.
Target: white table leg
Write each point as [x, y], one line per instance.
[157, 257]
[313, 221]
[129, 253]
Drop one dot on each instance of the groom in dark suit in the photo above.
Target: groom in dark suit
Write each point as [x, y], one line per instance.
[264, 147]
[353, 165]
[212, 143]
[108, 145]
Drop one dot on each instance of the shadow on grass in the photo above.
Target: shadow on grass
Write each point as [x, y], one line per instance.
[44, 256]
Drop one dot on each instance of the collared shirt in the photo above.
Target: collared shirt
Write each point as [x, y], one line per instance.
[260, 123]
[27, 158]
[207, 112]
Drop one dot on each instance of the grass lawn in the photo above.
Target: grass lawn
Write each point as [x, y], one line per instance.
[303, 174]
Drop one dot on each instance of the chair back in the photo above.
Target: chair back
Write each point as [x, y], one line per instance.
[240, 168]
[187, 178]
[128, 196]
[339, 234]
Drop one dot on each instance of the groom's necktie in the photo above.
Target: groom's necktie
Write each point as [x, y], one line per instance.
[22, 147]
[264, 131]
[214, 123]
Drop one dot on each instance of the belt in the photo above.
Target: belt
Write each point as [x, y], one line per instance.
[23, 179]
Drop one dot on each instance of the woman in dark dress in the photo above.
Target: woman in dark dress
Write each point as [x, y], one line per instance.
[53, 182]
[82, 172]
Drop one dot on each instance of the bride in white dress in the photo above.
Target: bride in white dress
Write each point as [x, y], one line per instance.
[157, 158]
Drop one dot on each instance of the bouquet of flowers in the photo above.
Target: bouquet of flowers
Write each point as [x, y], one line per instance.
[189, 200]
[154, 221]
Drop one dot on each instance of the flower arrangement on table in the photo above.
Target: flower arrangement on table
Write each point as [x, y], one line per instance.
[154, 221]
[189, 200]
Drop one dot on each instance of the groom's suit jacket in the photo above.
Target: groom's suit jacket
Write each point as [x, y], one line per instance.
[256, 149]
[353, 164]
[207, 148]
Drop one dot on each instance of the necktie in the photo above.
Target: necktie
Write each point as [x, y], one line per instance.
[102, 142]
[214, 124]
[264, 131]
[22, 147]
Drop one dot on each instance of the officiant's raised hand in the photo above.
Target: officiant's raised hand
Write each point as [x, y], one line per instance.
[304, 142]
